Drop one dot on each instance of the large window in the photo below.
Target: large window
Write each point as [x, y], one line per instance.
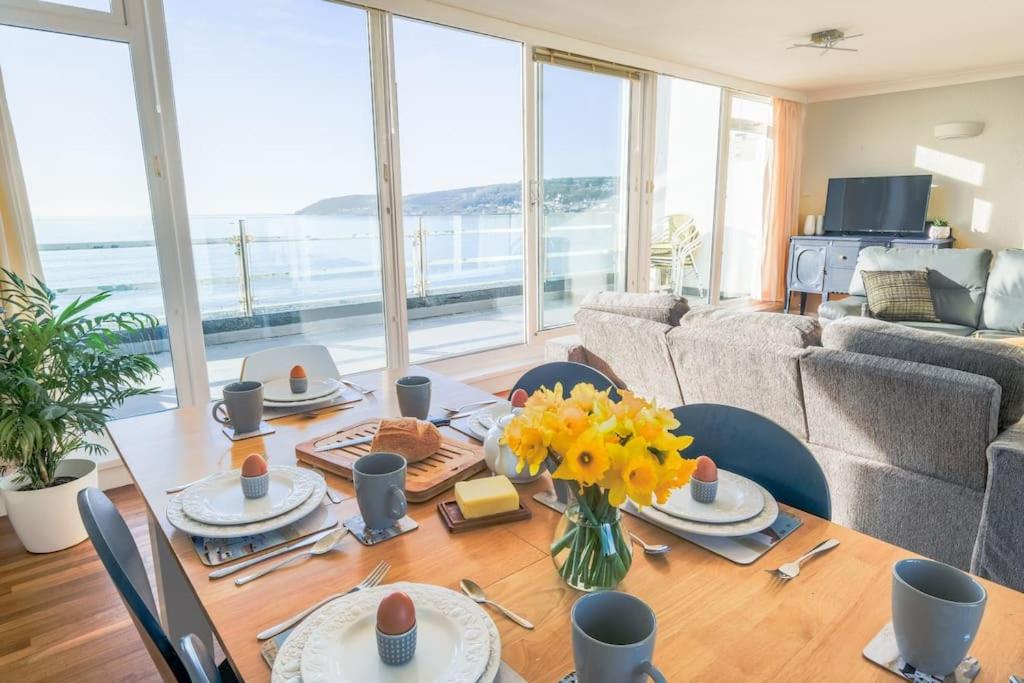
[584, 159]
[75, 123]
[460, 103]
[276, 125]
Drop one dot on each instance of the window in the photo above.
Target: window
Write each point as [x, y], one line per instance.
[584, 143]
[276, 125]
[460, 121]
[75, 123]
[685, 187]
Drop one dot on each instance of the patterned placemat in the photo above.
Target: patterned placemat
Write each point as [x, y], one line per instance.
[882, 650]
[217, 551]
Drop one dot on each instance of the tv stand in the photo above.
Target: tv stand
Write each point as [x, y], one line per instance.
[824, 264]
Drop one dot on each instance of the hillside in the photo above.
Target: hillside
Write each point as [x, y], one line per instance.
[565, 195]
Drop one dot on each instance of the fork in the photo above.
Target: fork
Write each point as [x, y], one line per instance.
[465, 408]
[358, 387]
[372, 579]
[791, 570]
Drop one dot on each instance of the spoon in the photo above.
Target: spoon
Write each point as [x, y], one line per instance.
[324, 545]
[659, 549]
[475, 592]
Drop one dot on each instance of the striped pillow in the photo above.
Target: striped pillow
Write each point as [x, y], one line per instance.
[899, 295]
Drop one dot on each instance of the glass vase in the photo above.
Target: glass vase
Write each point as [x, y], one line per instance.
[591, 554]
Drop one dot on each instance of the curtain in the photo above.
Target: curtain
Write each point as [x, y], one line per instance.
[17, 239]
[783, 195]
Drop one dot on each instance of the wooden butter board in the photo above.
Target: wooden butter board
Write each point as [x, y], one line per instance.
[455, 461]
[452, 517]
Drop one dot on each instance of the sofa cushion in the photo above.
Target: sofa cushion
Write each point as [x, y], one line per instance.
[899, 295]
[632, 351]
[840, 308]
[791, 330]
[661, 308]
[1004, 296]
[944, 328]
[1001, 362]
[957, 277]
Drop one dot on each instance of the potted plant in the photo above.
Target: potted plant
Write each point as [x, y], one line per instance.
[61, 373]
[940, 229]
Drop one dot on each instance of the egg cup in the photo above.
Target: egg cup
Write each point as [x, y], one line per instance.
[703, 491]
[256, 487]
[298, 385]
[396, 650]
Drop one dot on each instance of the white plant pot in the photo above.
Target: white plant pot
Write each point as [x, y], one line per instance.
[47, 520]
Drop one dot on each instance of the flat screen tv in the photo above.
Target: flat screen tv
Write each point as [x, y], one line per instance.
[889, 204]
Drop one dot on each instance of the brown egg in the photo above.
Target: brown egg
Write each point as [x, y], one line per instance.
[706, 469]
[254, 466]
[396, 614]
[298, 372]
[518, 398]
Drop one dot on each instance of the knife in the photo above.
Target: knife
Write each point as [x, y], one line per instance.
[227, 571]
[436, 421]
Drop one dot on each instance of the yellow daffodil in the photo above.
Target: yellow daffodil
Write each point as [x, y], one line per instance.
[586, 461]
[546, 399]
[640, 473]
[583, 395]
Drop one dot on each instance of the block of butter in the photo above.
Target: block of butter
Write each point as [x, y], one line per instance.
[484, 497]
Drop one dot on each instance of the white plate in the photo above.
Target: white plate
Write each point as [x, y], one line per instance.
[762, 520]
[737, 499]
[479, 422]
[288, 664]
[219, 499]
[280, 390]
[179, 520]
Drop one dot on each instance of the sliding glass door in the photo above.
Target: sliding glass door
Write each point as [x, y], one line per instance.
[584, 126]
[276, 123]
[460, 116]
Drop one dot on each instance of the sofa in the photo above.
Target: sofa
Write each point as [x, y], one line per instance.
[920, 435]
[973, 296]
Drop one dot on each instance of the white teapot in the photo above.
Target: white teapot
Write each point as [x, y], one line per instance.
[500, 458]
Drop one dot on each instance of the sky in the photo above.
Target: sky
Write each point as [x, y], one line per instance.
[274, 111]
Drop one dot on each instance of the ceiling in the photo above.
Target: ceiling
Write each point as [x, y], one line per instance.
[904, 39]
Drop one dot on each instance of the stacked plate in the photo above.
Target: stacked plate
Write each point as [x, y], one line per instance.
[216, 508]
[741, 507]
[479, 422]
[456, 641]
[277, 393]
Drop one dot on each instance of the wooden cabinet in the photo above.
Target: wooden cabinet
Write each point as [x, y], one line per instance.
[824, 264]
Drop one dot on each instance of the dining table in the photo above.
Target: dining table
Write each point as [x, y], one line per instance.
[716, 620]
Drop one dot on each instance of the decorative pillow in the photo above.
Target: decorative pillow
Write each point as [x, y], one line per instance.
[899, 295]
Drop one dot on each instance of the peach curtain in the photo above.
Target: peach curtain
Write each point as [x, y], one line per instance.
[17, 239]
[783, 195]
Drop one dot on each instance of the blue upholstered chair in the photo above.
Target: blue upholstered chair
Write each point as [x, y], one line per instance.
[753, 446]
[568, 373]
[116, 549]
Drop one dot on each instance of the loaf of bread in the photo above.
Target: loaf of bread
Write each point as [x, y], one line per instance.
[413, 439]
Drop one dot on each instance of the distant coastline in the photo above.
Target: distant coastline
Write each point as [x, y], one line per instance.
[563, 195]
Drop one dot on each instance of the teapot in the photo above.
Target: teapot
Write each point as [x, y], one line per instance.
[500, 458]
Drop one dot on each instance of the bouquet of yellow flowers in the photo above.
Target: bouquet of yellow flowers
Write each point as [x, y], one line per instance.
[610, 451]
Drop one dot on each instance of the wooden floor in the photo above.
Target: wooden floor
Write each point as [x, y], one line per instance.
[60, 616]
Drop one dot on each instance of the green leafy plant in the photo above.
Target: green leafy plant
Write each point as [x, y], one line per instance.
[940, 222]
[61, 373]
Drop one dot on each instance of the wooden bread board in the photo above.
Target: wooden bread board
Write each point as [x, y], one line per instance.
[453, 519]
[453, 462]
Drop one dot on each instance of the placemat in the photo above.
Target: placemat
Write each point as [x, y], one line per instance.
[882, 651]
[214, 552]
[366, 536]
[263, 430]
[738, 549]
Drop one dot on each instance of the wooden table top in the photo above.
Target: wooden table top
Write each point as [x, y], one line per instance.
[716, 619]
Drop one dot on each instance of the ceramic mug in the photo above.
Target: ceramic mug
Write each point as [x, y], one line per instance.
[243, 403]
[379, 480]
[936, 611]
[613, 639]
[413, 396]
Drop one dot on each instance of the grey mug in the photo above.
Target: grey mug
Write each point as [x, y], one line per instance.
[613, 639]
[243, 405]
[413, 396]
[936, 612]
[379, 480]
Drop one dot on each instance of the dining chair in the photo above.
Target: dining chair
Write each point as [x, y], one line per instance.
[568, 373]
[277, 362]
[116, 549]
[200, 665]
[753, 446]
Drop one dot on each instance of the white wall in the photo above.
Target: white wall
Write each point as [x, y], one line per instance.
[980, 181]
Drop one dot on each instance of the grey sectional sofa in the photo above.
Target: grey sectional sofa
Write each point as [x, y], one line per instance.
[973, 296]
[919, 434]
